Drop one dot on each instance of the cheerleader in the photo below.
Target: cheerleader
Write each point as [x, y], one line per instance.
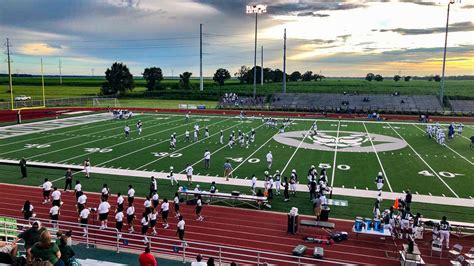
[152, 216]
[105, 192]
[130, 218]
[54, 215]
[165, 206]
[199, 208]
[176, 204]
[145, 224]
[155, 200]
[119, 223]
[27, 210]
[147, 205]
[120, 201]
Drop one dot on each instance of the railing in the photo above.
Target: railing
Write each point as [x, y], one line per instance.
[163, 246]
[75, 101]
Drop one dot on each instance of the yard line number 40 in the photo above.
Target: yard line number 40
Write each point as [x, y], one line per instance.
[443, 174]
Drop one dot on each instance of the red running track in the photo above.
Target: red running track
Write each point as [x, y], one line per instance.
[232, 227]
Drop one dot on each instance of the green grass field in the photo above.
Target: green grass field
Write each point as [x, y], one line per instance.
[423, 166]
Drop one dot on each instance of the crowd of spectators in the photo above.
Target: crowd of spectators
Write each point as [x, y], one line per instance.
[230, 99]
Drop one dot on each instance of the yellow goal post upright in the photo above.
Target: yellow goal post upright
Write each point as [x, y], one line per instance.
[25, 103]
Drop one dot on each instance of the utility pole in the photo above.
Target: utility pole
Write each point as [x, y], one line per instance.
[284, 62]
[10, 82]
[60, 73]
[201, 83]
[92, 72]
[441, 90]
[42, 81]
[251, 10]
[261, 70]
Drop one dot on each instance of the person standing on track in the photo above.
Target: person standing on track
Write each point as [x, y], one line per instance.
[153, 186]
[68, 178]
[83, 219]
[105, 192]
[180, 229]
[103, 209]
[22, 164]
[165, 207]
[81, 202]
[46, 190]
[147, 205]
[131, 195]
[87, 167]
[155, 200]
[130, 217]
[199, 209]
[176, 204]
[119, 223]
[120, 201]
[56, 195]
[152, 217]
[27, 210]
[145, 222]
[77, 189]
[54, 215]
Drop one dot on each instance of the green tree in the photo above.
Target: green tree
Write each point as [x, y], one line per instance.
[119, 80]
[277, 75]
[378, 77]
[295, 76]
[221, 75]
[307, 76]
[437, 78]
[242, 73]
[153, 77]
[407, 78]
[397, 78]
[267, 74]
[370, 76]
[184, 80]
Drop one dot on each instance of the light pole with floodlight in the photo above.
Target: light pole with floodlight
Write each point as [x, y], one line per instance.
[255, 9]
[441, 90]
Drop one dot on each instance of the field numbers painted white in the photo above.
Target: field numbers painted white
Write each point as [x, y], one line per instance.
[324, 165]
[392, 126]
[105, 150]
[343, 167]
[38, 146]
[442, 173]
[237, 160]
[253, 160]
[163, 154]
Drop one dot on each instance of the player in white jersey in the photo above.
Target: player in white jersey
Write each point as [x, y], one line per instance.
[293, 181]
[247, 140]
[231, 141]
[253, 184]
[196, 136]
[172, 143]
[87, 167]
[188, 116]
[277, 179]
[460, 127]
[186, 136]
[242, 140]
[196, 128]
[172, 177]
[269, 159]
[206, 132]
[221, 138]
[139, 127]
[252, 135]
[127, 131]
[379, 181]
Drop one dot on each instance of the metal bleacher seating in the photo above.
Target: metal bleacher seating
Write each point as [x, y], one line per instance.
[462, 106]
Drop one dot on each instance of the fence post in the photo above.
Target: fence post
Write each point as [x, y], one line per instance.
[220, 256]
[87, 236]
[258, 258]
[299, 261]
[118, 241]
[184, 253]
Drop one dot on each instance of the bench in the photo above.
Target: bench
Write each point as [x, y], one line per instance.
[319, 224]
[228, 198]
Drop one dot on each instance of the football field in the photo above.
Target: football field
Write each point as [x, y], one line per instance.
[353, 152]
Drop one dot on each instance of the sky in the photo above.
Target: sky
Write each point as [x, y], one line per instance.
[334, 38]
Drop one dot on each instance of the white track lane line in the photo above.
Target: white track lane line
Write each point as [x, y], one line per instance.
[261, 146]
[446, 145]
[378, 158]
[297, 148]
[333, 175]
[421, 158]
[202, 139]
[223, 146]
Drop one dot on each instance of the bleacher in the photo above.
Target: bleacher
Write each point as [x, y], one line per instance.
[355, 102]
[238, 102]
[462, 106]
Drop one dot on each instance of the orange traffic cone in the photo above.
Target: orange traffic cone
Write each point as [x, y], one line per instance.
[395, 204]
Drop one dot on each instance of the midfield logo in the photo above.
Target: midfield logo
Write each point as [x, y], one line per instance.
[346, 141]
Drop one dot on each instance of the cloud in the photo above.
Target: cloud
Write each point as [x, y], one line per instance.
[39, 49]
[455, 27]
[312, 14]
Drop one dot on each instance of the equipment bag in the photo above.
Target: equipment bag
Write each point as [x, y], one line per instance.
[299, 250]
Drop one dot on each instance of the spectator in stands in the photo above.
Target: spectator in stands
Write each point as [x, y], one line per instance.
[22, 164]
[67, 253]
[32, 235]
[46, 250]
[198, 261]
[27, 210]
[8, 247]
[213, 188]
[146, 258]
[68, 179]
[210, 262]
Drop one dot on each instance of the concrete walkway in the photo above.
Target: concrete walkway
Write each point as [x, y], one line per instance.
[462, 202]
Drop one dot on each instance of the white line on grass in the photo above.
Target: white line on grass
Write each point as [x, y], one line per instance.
[88, 142]
[60, 140]
[378, 158]
[140, 167]
[261, 146]
[223, 146]
[297, 148]
[421, 158]
[335, 154]
[446, 145]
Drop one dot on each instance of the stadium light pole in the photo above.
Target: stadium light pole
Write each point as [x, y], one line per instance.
[255, 9]
[201, 83]
[441, 90]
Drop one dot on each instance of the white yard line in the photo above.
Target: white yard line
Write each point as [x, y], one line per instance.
[261, 146]
[421, 158]
[202, 139]
[333, 175]
[378, 158]
[446, 145]
[84, 143]
[60, 140]
[297, 148]
[223, 146]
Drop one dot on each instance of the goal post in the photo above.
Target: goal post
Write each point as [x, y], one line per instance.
[105, 102]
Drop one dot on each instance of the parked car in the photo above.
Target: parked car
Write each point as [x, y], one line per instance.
[22, 98]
